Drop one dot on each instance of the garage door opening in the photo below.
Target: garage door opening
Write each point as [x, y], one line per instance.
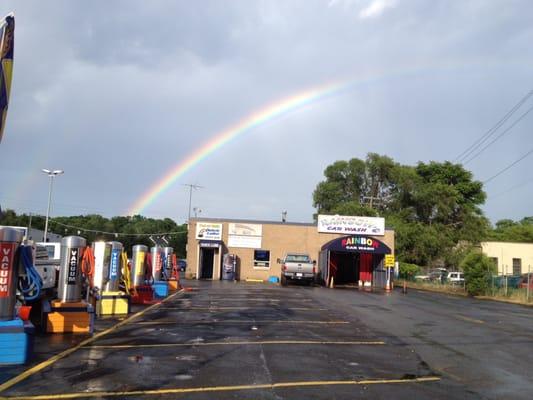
[345, 268]
[353, 260]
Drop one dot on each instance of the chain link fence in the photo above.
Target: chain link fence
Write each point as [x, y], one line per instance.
[513, 287]
[516, 288]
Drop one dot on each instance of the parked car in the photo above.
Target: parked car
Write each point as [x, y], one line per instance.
[295, 266]
[524, 281]
[434, 275]
[511, 281]
[455, 278]
[438, 275]
[421, 277]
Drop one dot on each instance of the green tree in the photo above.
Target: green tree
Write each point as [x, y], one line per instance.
[457, 254]
[129, 230]
[503, 224]
[431, 206]
[408, 271]
[511, 231]
[447, 195]
[419, 243]
[365, 185]
[478, 270]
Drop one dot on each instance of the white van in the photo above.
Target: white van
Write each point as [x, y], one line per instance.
[455, 278]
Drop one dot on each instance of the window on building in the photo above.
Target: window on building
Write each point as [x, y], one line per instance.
[517, 266]
[494, 262]
[262, 258]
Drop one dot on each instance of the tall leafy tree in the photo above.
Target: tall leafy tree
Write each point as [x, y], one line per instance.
[129, 230]
[511, 231]
[432, 206]
[358, 186]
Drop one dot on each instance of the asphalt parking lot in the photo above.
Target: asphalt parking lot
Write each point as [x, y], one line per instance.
[240, 341]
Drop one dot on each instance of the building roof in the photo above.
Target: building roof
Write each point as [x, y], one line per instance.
[252, 221]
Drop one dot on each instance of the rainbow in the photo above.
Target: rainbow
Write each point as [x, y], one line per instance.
[253, 120]
[257, 118]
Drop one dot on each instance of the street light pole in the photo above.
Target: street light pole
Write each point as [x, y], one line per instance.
[51, 175]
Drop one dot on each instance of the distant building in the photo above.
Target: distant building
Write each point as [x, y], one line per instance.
[36, 235]
[511, 258]
[257, 245]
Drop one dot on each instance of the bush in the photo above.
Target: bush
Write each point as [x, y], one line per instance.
[478, 270]
[408, 271]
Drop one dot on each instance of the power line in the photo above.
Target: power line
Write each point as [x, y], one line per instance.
[472, 148]
[511, 189]
[77, 209]
[116, 233]
[492, 130]
[78, 228]
[508, 167]
[500, 135]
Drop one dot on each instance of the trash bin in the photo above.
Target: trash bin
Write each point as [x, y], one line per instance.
[229, 267]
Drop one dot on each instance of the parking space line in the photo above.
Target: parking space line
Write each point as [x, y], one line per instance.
[216, 308]
[242, 343]
[238, 321]
[468, 319]
[33, 370]
[268, 386]
[230, 299]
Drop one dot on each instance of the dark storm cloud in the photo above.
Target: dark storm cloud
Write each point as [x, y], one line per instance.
[117, 92]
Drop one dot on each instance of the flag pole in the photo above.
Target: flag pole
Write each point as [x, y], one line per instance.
[3, 22]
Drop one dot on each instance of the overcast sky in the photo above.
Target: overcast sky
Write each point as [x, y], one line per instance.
[117, 93]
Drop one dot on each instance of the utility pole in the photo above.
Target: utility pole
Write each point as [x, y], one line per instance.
[371, 199]
[29, 225]
[191, 187]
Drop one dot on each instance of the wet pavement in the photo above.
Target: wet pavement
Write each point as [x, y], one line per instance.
[240, 341]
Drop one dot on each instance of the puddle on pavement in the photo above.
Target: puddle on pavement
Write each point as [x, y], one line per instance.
[183, 377]
[186, 358]
[140, 359]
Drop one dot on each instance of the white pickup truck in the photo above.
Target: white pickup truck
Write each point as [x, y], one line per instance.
[297, 266]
